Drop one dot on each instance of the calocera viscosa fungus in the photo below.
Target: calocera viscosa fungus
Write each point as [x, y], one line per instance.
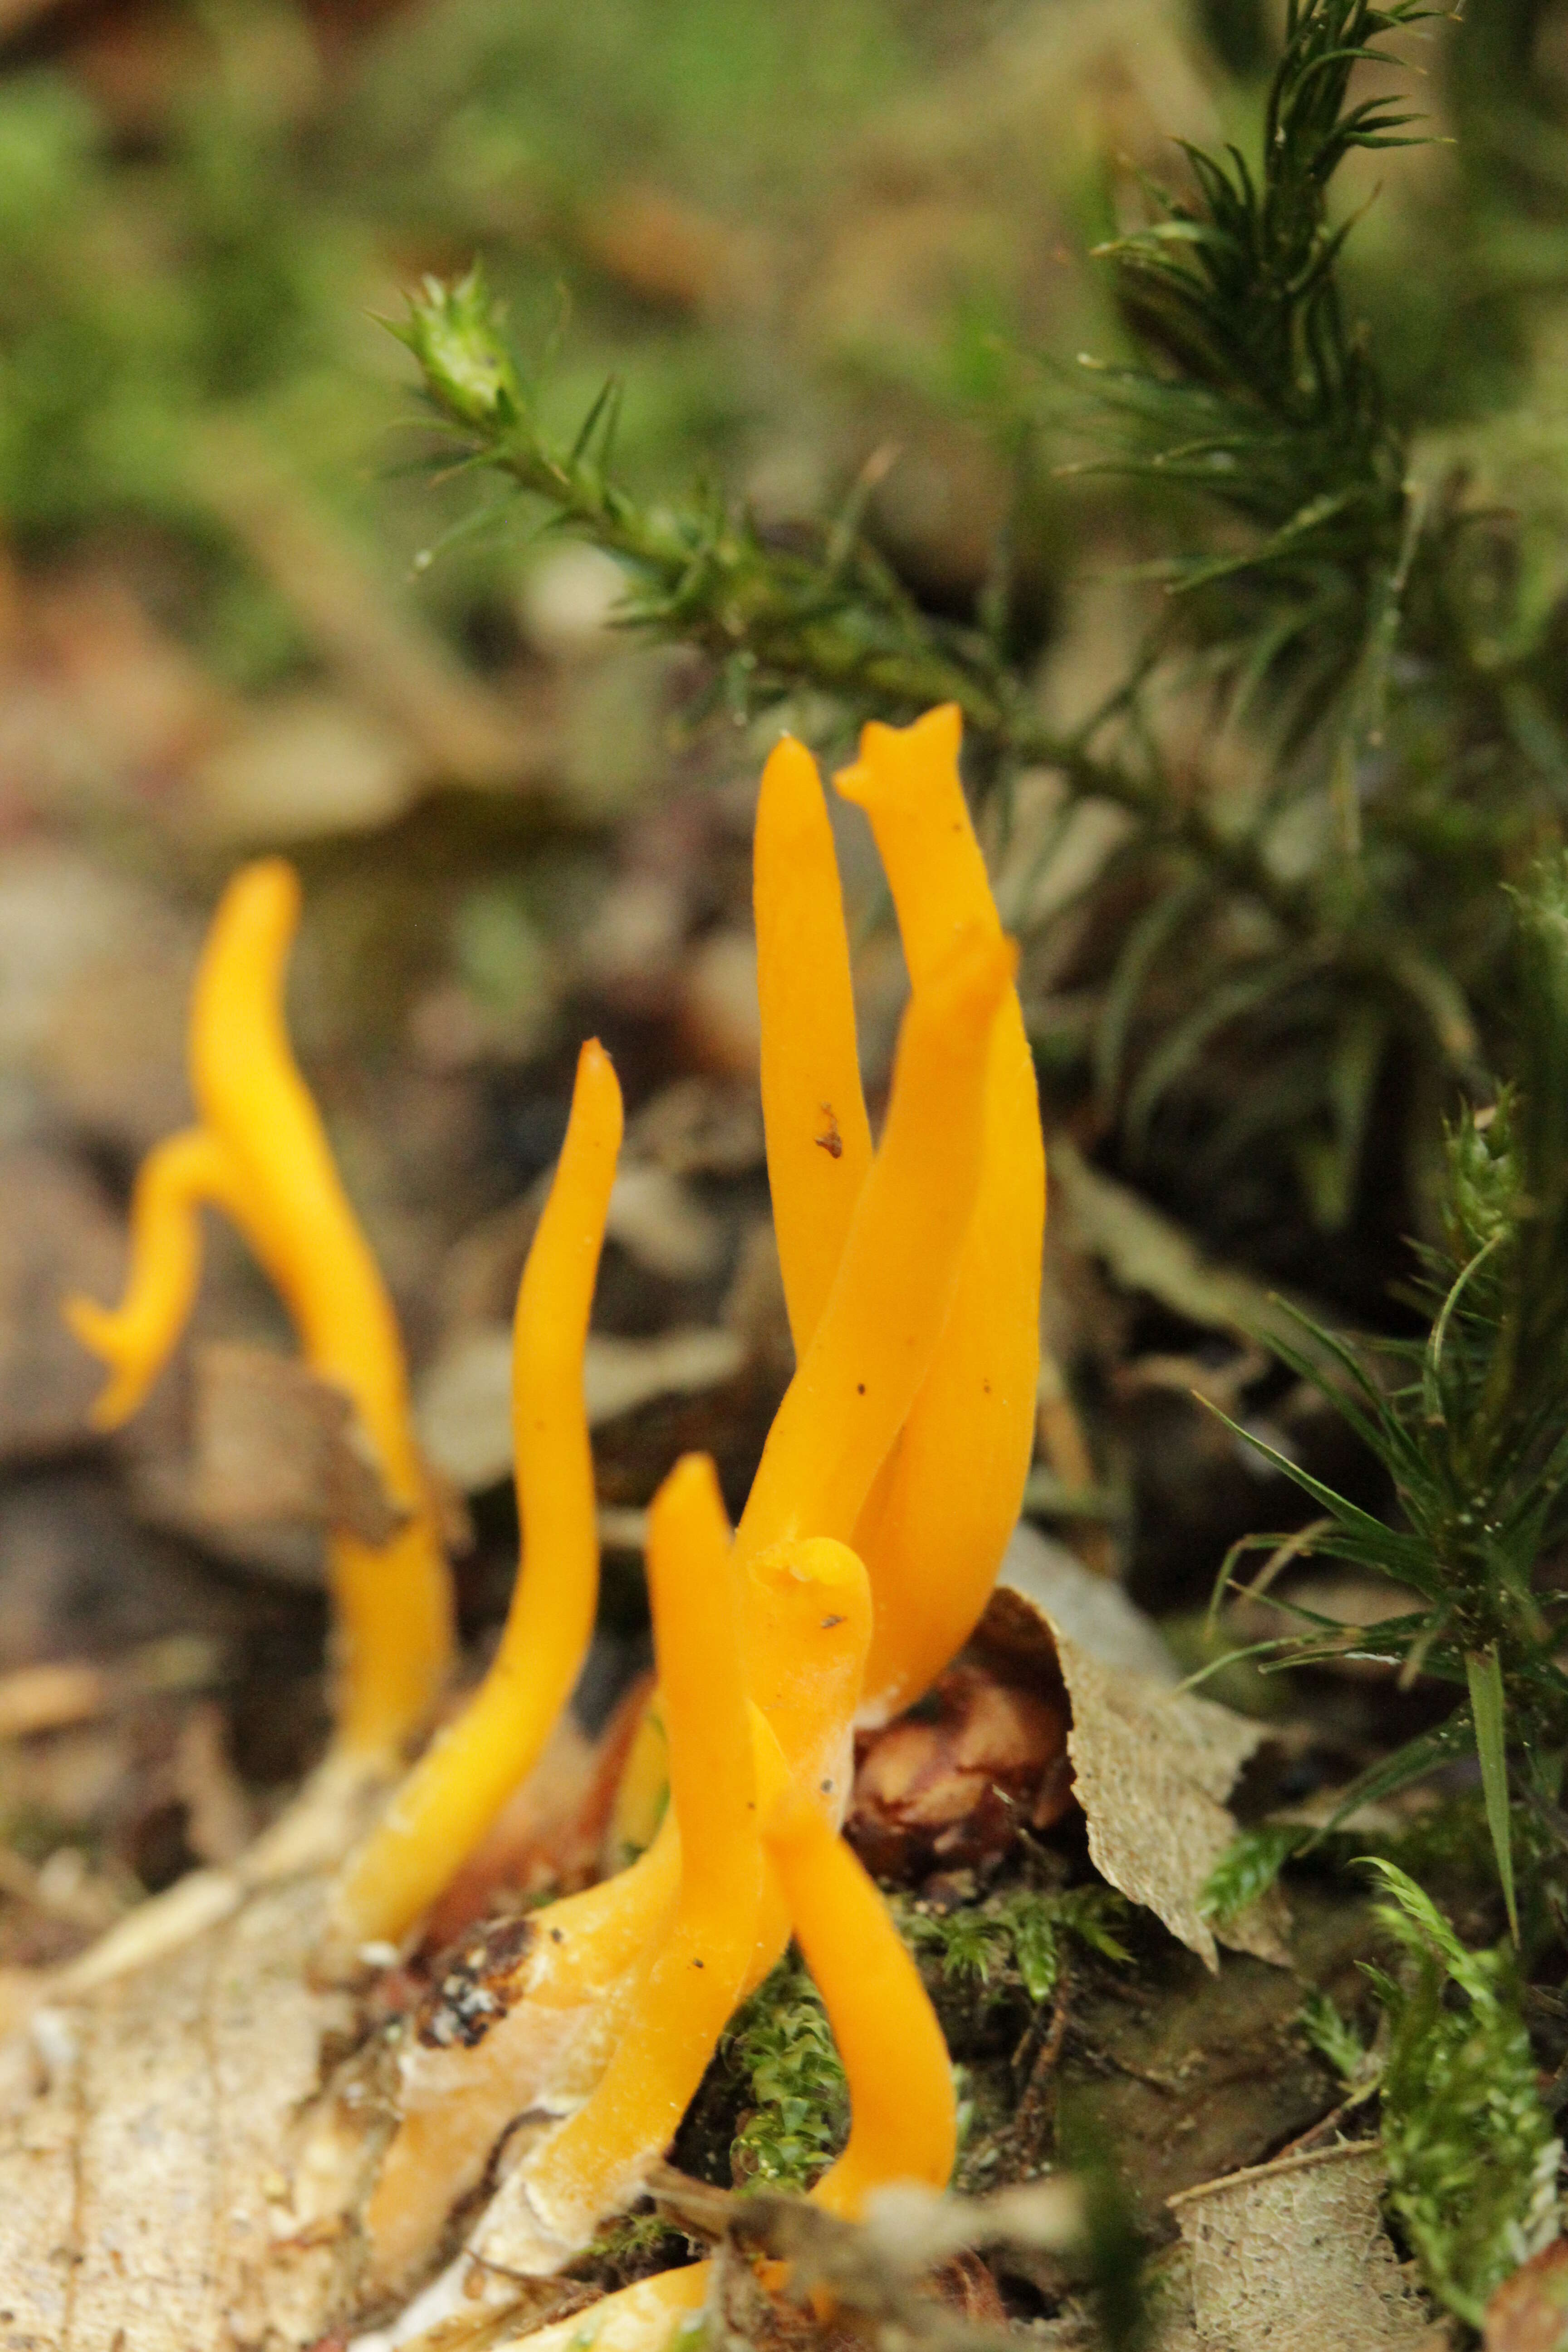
[912, 1278]
[903, 2113]
[260, 1154]
[874, 1527]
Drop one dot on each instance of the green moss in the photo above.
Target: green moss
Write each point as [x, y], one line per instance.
[1016, 1937]
[781, 2045]
[1472, 2157]
[633, 2246]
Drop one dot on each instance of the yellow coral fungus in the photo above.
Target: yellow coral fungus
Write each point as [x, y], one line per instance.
[902, 2105]
[933, 1541]
[903, 2115]
[261, 1155]
[595, 2161]
[608, 1958]
[819, 1139]
[465, 1777]
[886, 1276]
[872, 1346]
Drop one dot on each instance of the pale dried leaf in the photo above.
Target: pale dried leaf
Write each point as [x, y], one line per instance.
[304, 765]
[661, 1221]
[1144, 1250]
[1093, 1610]
[1153, 1771]
[1293, 2256]
[218, 1824]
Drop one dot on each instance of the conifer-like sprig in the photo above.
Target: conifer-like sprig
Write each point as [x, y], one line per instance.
[1470, 1424]
[1255, 390]
[824, 612]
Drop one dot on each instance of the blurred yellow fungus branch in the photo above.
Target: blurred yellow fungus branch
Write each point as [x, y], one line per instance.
[260, 1153]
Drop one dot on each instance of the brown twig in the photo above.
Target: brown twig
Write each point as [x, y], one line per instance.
[1030, 2117]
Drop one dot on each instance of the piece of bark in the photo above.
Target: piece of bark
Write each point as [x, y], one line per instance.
[139, 2182]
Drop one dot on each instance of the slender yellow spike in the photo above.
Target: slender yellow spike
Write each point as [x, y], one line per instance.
[598, 2157]
[819, 1139]
[932, 1540]
[464, 1778]
[261, 1152]
[871, 1348]
[806, 1626]
[903, 2113]
[135, 1339]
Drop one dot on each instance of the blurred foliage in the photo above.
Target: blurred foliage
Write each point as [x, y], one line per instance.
[1469, 1424]
[1345, 722]
[819, 254]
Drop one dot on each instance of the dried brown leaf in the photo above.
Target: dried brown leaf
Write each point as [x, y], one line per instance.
[951, 1786]
[269, 1444]
[1529, 2312]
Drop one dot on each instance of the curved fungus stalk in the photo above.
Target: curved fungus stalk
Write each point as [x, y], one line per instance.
[891, 1294]
[903, 2113]
[933, 1542]
[814, 1112]
[595, 2160]
[459, 1785]
[260, 1154]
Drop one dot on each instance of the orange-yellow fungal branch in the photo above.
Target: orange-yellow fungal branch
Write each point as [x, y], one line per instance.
[464, 1778]
[262, 1154]
[933, 1533]
[890, 1300]
[903, 2113]
[819, 1139]
[597, 2157]
[806, 1626]
[644, 2317]
[135, 1339]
